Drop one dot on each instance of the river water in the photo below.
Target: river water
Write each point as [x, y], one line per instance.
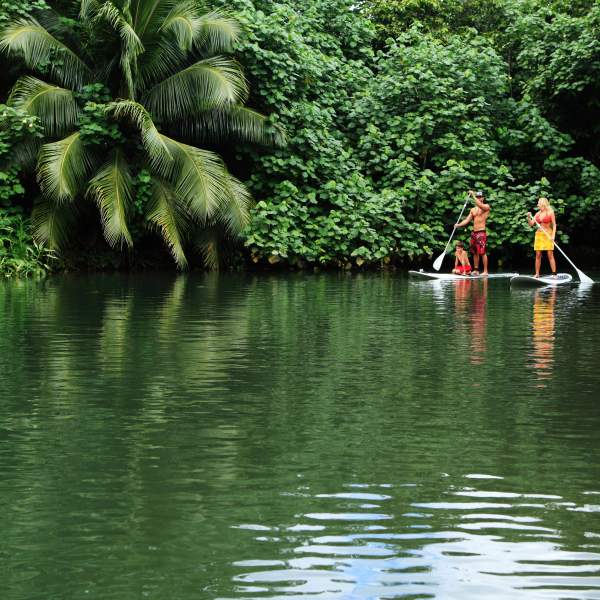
[296, 437]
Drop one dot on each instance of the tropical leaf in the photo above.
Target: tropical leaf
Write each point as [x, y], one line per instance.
[63, 168]
[112, 189]
[199, 179]
[210, 83]
[169, 218]
[161, 59]
[149, 15]
[55, 106]
[51, 223]
[25, 153]
[182, 24]
[131, 46]
[237, 122]
[154, 143]
[28, 39]
[235, 212]
[218, 32]
[86, 8]
[214, 32]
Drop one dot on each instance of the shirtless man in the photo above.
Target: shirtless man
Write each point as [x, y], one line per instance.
[478, 246]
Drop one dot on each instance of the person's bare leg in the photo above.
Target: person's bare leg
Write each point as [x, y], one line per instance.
[552, 261]
[485, 264]
[538, 262]
[476, 261]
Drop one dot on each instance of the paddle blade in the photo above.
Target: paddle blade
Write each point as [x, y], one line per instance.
[437, 264]
[583, 277]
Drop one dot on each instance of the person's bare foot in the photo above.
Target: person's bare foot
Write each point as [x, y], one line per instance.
[537, 275]
[475, 272]
[485, 273]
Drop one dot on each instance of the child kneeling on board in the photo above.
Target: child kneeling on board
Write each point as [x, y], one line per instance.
[462, 266]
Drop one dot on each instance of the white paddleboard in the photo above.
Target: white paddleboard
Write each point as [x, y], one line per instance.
[560, 279]
[454, 277]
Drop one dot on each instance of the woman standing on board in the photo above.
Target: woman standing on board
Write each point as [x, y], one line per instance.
[544, 237]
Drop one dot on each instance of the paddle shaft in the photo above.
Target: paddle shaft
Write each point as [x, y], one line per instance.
[454, 228]
[581, 274]
[451, 236]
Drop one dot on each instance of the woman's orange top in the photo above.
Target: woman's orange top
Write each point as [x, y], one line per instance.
[545, 220]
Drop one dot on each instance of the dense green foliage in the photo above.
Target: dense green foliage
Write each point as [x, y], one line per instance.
[392, 110]
[385, 142]
[106, 120]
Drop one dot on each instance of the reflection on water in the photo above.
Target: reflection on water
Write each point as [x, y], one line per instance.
[470, 298]
[330, 436]
[543, 334]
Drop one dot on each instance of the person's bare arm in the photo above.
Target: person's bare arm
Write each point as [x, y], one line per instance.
[553, 226]
[530, 219]
[466, 220]
[482, 205]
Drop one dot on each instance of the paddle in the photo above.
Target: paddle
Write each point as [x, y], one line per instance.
[437, 263]
[582, 276]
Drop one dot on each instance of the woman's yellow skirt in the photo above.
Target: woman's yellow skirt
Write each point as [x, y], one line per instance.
[542, 241]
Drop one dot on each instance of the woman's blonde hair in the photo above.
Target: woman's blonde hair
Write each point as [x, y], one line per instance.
[545, 204]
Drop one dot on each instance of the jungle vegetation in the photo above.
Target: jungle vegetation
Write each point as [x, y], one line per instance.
[336, 133]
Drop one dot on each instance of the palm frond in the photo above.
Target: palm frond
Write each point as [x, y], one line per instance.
[25, 37]
[211, 83]
[63, 167]
[51, 223]
[235, 213]
[55, 106]
[161, 60]
[167, 216]
[25, 153]
[112, 189]
[148, 15]
[86, 8]
[213, 32]
[218, 32]
[237, 122]
[182, 24]
[154, 143]
[199, 178]
[132, 46]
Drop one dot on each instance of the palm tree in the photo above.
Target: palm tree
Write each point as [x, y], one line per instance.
[139, 84]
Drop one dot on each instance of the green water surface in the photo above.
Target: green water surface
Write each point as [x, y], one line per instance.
[298, 437]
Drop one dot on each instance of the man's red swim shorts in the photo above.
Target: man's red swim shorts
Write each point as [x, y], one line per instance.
[478, 242]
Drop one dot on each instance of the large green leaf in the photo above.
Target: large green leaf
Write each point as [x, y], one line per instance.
[112, 189]
[51, 223]
[199, 179]
[25, 37]
[238, 122]
[131, 45]
[235, 212]
[55, 106]
[167, 215]
[207, 84]
[63, 168]
[213, 32]
[154, 143]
